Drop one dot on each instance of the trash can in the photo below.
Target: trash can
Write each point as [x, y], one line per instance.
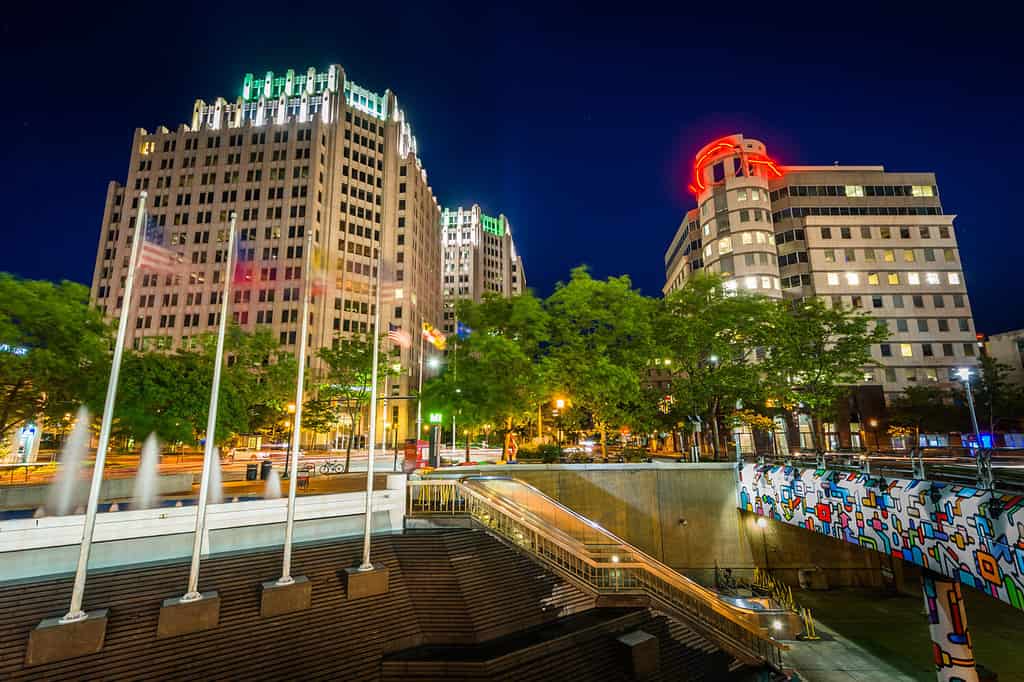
[265, 468]
[251, 471]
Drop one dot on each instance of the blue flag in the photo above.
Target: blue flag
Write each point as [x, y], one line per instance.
[462, 331]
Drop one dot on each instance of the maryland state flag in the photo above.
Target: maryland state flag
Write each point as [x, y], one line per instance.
[434, 336]
[317, 271]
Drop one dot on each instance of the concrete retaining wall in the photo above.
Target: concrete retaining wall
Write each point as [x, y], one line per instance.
[32, 496]
[686, 516]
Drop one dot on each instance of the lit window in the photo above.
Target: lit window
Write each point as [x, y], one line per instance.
[750, 282]
[931, 277]
[833, 279]
[949, 255]
[147, 147]
[954, 278]
[760, 238]
[399, 294]
[906, 350]
[707, 251]
[766, 282]
[852, 278]
[893, 278]
[889, 256]
[730, 286]
[922, 191]
[873, 278]
[854, 190]
[741, 195]
[747, 239]
[776, 281]
[913, 278]
[725, 245]
[707, 229]
[908, 256]
[830, 256]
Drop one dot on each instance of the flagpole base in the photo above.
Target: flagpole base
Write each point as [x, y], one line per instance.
[57, 639]
[181, 616]
[277, 598]
[360, 582]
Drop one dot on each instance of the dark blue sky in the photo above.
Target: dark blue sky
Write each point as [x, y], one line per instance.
[578, 125]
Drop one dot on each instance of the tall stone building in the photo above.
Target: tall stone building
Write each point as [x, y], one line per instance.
[295, 155]
[479, 256]
[857, 236]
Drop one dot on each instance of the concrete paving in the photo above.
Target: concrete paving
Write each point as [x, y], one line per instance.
[870, 635]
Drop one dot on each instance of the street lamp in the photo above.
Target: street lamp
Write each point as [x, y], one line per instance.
[964, 374]
[291, 435]
[434, 363]
[873, 423]
[762, 523]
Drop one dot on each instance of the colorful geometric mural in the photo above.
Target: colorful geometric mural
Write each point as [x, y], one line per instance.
[952, 650]
[954, 530]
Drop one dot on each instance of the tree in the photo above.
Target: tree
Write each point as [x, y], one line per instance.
[169, 393]
[54, 351]
[816, 354]
[708, 340]
[997, 399]
[347, 378]
[924, 408]
[497, 373]
[601, 346]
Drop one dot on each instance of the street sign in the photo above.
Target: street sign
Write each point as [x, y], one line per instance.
[436, 417]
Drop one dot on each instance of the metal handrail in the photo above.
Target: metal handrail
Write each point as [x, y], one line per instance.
[611, 566]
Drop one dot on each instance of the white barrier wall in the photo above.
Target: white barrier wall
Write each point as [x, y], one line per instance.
[32, 548]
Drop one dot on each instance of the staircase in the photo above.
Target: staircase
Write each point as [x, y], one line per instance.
[599, 563]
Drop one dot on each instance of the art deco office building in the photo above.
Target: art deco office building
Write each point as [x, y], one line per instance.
[479, 256]
[857, 236]
[296, 155]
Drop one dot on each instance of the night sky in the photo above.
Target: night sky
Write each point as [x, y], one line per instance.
[580, 127]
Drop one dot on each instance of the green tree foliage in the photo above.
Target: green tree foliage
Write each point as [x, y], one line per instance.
[816, 351]
[497, 374]
[66, 355]
[925, 409]
[707, 341]
[602, 338]
[345, 383]
[999, 402]
[169, 393]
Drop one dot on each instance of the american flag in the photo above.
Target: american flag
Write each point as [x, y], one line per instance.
[154, 255]
[399, 336]
[245, 271]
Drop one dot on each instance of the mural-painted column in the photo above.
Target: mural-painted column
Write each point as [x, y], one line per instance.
[947, 620]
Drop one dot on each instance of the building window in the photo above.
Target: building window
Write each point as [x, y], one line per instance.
[826, 233]
[901, 325]
[906, 350]
[830, 256]
[886, 350]
[922, 325]
[852, 279]
[833, 279]
[893, 278]
[954, 277]
[968, 348]
[913, 278]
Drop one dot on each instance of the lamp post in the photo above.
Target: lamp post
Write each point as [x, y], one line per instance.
[964, 373]
[291, 434]
[873, 423]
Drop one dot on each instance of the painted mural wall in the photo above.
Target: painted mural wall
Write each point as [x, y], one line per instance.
[951, 529]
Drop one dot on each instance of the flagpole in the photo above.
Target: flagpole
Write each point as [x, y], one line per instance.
[209, 452]
[368, 519]
[293, 480]
[384, 411]
[75, 612]
[419, 399]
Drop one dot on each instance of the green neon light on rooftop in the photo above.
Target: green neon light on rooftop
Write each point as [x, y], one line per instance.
[495, 226]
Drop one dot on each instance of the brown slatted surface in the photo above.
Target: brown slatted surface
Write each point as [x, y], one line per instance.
[506, 591]
[434, 596]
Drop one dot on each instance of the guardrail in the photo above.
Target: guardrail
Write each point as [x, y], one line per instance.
[586, 552]
[987, 468]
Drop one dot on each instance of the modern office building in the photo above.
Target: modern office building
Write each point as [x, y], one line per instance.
[295, 155]
[480, 256]
[1008, 348]
[857, 236]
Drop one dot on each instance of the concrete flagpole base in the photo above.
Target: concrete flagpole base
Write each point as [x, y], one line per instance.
[277, 599]
[53, 640]
[359, 584]
[180, 617]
